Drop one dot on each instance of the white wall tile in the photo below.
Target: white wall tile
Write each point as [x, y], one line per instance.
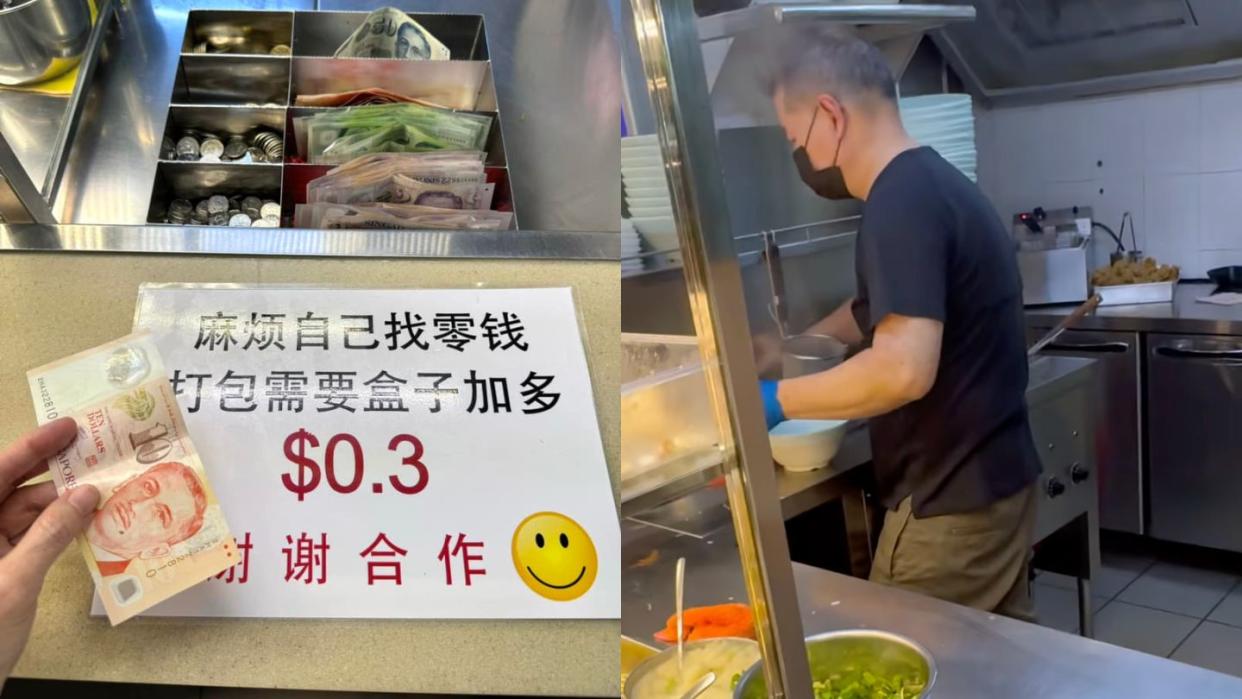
[1220, 210]
[1061, 195]
[1019, 136]
[1066, 141]
[1115, 135]
[1171, 228]
[1220, 136]
[1171, 129]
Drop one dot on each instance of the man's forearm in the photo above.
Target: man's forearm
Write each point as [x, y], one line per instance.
[864, 386]
[839, 324]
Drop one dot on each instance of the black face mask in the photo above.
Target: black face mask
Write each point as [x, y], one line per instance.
[828, 183]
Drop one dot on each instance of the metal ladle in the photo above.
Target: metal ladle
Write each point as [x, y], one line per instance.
[680, 587]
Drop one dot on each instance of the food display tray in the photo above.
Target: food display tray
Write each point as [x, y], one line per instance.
[1129, 294]
[240, 92]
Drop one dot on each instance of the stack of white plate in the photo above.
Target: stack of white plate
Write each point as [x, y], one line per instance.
[631, 246]
[947, 124]
[646, 192]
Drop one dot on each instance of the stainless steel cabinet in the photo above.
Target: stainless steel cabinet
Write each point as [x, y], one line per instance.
[1118, 442]
[1194, 398]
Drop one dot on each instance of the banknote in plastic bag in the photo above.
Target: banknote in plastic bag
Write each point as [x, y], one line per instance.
[391, 33]
[158, 528]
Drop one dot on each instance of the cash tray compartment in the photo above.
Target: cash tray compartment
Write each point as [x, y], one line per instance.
[246, 88]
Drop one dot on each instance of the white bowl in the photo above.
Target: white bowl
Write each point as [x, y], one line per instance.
[640, 141]
[657, 211]
[805, 445]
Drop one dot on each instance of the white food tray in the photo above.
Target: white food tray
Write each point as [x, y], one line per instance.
[1127, 294]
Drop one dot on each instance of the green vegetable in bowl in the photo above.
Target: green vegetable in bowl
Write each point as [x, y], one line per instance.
[853, 683]
[737, 677]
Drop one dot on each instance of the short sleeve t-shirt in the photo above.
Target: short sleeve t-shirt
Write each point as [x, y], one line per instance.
[931, 246]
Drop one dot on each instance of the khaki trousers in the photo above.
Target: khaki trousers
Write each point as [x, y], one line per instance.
[979, 559]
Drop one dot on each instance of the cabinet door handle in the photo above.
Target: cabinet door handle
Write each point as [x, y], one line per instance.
[1189, 353]
[1115, 347]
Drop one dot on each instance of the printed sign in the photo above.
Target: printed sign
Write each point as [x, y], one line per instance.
[393, 453]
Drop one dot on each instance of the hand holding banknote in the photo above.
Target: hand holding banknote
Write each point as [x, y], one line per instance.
[35, 527]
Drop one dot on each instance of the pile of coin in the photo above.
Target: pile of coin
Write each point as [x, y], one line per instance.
[232, 43]
[259, 146]
[246, 211]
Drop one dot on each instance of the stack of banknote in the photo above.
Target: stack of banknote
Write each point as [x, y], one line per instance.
[336, 136]
[444, 179]
[158, 528]
[398, 217]
[391, 33]
[439, 190]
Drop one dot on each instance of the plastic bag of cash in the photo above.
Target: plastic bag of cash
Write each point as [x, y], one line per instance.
[397, 217]
[391, 33]
[158, 528]
[340, 135]
[439, 179]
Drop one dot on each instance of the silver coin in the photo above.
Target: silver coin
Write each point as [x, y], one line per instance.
[212, 149]
[271, 209]
[219, 219]
[168, 149]
[201, 210]
[274, 220]
[280, 50]
[217, 204]
[256, 154]
[235, 148]
[180, 206]
[265, 223]
[239, 221]
[251, 206]
[187, 148]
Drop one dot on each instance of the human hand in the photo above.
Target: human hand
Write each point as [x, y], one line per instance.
[772, 410]
[35, 527]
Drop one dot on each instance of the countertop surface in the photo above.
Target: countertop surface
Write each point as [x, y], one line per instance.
[978, 655]
[1185, 315]
[55, 304]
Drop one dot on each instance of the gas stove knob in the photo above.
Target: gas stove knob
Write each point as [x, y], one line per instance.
[1079, 473]
[1055, 487]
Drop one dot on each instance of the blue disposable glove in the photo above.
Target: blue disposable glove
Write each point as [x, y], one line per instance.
[771, 404]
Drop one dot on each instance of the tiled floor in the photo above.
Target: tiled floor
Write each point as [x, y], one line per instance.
[1190, 614]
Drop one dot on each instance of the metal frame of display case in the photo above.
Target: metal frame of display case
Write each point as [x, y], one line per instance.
[668, 36]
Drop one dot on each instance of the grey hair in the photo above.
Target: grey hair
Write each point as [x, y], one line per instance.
[813, 58]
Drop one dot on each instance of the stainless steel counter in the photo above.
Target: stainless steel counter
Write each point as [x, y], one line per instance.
[208, 240]
[1184, 315]
[978, 654]
[557, 79]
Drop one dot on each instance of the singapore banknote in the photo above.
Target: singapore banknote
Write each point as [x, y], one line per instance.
[158, 528]
[391, 33]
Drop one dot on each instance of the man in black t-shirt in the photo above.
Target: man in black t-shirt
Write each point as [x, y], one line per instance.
[942, 372]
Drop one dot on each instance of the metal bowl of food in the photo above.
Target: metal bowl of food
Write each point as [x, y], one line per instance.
[658, 677]
[842, 662]
[41, 39]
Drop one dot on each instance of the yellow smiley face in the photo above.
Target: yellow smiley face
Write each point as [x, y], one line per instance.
[554, 556]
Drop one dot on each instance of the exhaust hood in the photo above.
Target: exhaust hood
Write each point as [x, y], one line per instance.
[1021, 51]
[734, 45]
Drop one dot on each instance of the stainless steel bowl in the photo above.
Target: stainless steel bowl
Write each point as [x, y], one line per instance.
[41, 39]
[670, 655]
[810, 354]
[887, 651]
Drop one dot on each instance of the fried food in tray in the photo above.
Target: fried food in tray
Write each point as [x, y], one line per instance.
[1128, 271]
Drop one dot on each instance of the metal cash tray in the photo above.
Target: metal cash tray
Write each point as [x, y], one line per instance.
[243, 89]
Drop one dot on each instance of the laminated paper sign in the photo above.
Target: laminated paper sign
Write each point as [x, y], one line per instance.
[393, 453]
